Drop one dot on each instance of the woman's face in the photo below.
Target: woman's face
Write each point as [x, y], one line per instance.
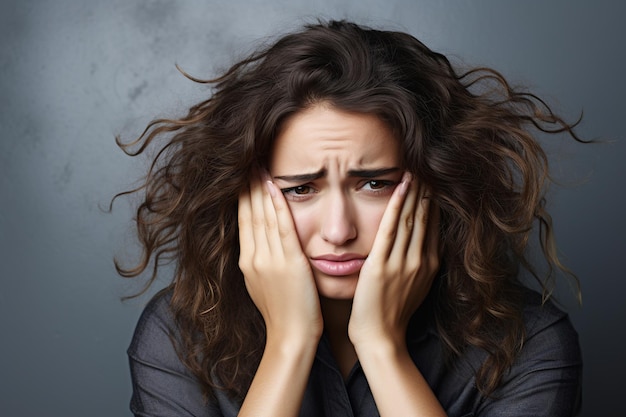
[337, 171]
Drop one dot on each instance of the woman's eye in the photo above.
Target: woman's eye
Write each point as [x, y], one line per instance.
[300, 190]
[377, 185]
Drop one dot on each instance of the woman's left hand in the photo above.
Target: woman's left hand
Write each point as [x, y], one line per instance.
[399, 271]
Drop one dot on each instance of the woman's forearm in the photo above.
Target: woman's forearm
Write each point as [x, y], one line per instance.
[279, 383]
[398, 387]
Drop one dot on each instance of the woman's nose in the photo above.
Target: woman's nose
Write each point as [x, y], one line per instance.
[338, 224]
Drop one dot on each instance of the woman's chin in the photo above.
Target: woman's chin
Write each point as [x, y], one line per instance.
[336, 287]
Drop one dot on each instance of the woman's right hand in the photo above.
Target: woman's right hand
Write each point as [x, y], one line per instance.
[280, 282]
[277, 273]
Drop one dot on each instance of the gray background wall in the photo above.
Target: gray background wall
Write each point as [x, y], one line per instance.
[75, 73]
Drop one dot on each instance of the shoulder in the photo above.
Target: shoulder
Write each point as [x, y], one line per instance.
[551, 342]
[157, 311]
[156, 331]
[546, 377]
[162, 384]
[548, 330]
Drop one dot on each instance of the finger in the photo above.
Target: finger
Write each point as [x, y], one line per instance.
[258, 217]
[244, 218]
[286, 230]
[433, 249]
[271, 220]
[388, 227]
[420, 219]
[408, 225]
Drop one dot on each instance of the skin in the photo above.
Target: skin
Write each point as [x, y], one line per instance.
[337, 238]
[338, 210]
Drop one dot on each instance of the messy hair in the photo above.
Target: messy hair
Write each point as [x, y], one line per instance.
[469, 136]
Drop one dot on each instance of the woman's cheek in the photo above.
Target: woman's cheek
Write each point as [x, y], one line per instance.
[303, 223]
[370, 216]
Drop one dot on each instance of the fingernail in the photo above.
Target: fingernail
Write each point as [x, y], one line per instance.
[270, 188]
[404, 185]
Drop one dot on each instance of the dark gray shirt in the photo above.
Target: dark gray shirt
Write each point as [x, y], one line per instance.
[544, 381]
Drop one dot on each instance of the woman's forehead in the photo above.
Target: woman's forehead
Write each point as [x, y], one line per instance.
[320, 135]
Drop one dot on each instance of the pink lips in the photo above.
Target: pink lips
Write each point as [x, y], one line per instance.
[338, 265]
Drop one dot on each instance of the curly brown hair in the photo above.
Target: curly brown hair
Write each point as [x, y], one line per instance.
[469, 136]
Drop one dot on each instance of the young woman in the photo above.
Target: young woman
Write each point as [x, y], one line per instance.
[349, 219]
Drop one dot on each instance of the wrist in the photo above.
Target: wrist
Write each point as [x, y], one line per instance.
[292, 343]
[377, 338]
[381, 348]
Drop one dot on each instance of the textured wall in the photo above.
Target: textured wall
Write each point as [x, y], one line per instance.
[74, 73]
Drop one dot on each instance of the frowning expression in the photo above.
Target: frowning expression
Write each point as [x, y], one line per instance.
[337, 171]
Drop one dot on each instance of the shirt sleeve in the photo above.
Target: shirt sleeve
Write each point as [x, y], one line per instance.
[547, 377]
[162, 385]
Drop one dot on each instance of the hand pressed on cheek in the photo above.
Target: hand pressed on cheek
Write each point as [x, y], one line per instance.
[400, 269]
[277, 273]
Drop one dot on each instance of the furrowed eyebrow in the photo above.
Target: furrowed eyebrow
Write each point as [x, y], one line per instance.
[302, 177]
[358, 173]
[371, 173]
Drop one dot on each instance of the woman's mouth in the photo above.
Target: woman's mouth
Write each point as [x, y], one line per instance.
[338, 265]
